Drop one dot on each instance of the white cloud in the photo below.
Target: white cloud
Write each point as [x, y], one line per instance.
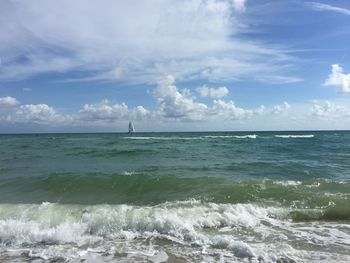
[228, 110]
[175, 104]
[239, 5]
[220, 92]
[8, 101]
[135, 41]
[338, 79]
[325, 7]
[218, 115]
[105, 111]
[38, 113]
[280, 108]
[322, 109]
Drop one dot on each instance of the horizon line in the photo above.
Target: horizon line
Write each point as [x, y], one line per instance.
[231, 131]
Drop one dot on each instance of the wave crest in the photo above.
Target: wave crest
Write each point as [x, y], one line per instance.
[295, 136]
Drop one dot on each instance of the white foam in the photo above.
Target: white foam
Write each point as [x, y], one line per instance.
[53, 223]
[129, 173]
[288, 183]
[162, 138]
[218, 136]
[165, 138]
[295, 136]
[249, 136]
[239, 248]
[232, 230]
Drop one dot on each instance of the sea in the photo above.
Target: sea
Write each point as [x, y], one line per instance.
[175, 197]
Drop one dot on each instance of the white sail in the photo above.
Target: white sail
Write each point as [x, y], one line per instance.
[131, 127]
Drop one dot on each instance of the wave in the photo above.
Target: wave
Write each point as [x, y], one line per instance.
[141, 188]
[107, 153]
[295, 136]
[218, 136]
[239, 231]
[53, 223]
[250, 136]
[161, 138]
[288, 183]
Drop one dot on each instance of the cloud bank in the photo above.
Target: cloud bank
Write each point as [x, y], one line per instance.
[38, 114]
[327, 109]
[172, 104]
[179, 109]
[105, 111]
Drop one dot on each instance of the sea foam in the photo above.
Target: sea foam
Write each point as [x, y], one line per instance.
[171, 138]
[185, 225]
[295, 136]
[248, 136]
[165, 138]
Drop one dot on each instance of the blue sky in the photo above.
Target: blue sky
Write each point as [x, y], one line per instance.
[74, 66]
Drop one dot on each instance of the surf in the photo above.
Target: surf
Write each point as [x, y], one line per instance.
[189, 225]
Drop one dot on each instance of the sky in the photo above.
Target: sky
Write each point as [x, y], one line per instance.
[185, 65]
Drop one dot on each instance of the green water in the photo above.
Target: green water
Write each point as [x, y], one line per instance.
[293, 180]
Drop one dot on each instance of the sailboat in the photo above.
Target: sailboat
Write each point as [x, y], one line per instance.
[131, 127]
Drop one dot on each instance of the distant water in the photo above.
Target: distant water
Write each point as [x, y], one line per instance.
[181, 197]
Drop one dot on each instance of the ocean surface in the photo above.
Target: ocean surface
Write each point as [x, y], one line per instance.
[175, 197]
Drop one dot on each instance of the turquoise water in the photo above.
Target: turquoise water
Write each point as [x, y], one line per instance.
[176, 196]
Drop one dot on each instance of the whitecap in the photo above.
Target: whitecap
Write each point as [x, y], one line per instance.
[161, 138]
[295, 136]
[288, 183]
[249, 136]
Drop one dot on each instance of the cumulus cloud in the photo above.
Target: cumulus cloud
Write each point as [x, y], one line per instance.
[280, 108]
[105, 111]
[325, 7]
[216, 93]
[322, 109]
[229, 110]
[191, 39]
[172, 103]
[38, 113]
[338, 79]
[182, 105]
[175, 104]
[8, 101]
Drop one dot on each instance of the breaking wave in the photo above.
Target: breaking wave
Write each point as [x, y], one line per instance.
[166, 138]
[161, 138]
[232, 230]
[295, 136]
